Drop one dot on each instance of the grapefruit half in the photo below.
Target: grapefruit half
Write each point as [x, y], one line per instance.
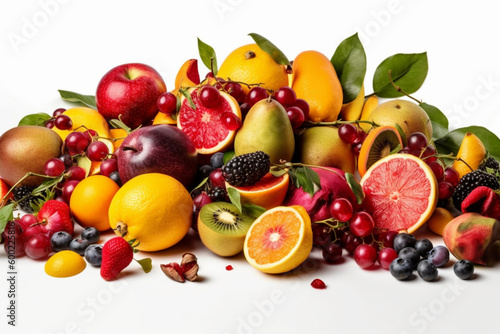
[400, 192]
[205, 125]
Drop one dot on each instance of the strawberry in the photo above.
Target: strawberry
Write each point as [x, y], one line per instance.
[54, 216]
[117, 254]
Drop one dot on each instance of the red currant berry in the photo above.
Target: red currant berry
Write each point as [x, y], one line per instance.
[255, 95]
[341, 209]
[167, 103]
[108, 166]
[361, 224]
[54, 167]
[97, 151]
[365, 256]
[303, 105]
[63, 122]
[76, 142]
[231, 121]
[417, 141]
[451, 175]
[348, 133]
[296, 116]
[209, 96]
[285, 96]
[386, 256]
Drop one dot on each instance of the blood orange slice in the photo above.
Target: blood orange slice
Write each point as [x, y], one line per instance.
[204, 125]
[279, 240]
[400, 192]
[268, 192]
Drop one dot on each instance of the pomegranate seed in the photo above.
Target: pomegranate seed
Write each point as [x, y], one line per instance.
[229, 267]
[318, 284]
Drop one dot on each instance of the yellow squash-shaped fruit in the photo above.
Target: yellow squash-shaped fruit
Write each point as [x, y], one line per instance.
[315, 80]
[352, 111]
[472, 151]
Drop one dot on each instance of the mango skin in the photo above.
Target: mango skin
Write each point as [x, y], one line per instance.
[473, 237]
[266, 128]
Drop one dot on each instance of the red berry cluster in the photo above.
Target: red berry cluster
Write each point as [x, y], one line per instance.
[352, 135]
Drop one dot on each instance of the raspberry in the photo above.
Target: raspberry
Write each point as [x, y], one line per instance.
[247, 169]
[26, 203]
[471, 181]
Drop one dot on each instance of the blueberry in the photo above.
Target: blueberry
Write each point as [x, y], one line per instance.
[423, 247]
[115, 176]
[205, 171]
[464, 269]
[401, 269]
[427, 270]
[93, 255]
[439, 256]
[217, 160]
[79, 246]
[403, 240]
[60, 241]
[410, 254]
[91, 234]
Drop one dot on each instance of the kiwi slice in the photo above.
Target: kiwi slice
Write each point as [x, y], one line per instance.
[379, 143]
[222, 228]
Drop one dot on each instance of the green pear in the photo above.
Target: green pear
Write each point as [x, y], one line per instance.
[266, 128]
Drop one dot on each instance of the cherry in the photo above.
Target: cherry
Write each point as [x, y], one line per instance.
[67, 189]
[231, 121]
[54, 167]
[234, 89]
[255, 95]
[451, 175]
[76, 142]
[365, 256]
[58, 112]
[303, 105]
[216, 179]
[348, 133]
[76, 173]
[37, 246]
[446, 189]
[209, 96]
[108, 166]
[361, 224]
[63, 122]
[386, 256]
[417, 141]
[341, 209]
[437, 169]
[285, 96]
[296, 116]
[97, 151]
[167, 103]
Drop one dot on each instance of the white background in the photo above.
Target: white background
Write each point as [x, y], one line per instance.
[48, 45]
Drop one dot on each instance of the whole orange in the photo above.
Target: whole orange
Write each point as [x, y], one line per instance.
[90, 201]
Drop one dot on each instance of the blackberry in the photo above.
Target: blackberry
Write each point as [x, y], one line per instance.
[24, 192]
[245, 170]
[490, 163]
[471, 181]
[217, 194]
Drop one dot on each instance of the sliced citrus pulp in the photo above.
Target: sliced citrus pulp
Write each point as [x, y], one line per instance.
[268, 192]
[279, 240]
[378, 144]
[400, 192]
[204, 125]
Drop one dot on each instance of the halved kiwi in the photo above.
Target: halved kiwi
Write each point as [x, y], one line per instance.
[222, 228]
[379, 143]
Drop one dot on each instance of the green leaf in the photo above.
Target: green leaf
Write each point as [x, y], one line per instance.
[401, 132]
[6, 215]
[146, 264]
[278, 172]
[450, 143]
[228, 155]
[187, 95]
[48, 183]
[271, 49]
[208, 57]
[201, 184]
[87, 100]
[408, 71]
[307, 179]
[355, 187]
[438, 120]
[253, 210]
[235, 198]
[38, 119]
[349, 61]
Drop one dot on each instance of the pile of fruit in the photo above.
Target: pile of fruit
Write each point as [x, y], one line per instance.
[263, 156]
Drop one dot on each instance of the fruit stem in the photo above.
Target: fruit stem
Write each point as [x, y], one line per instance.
[335, 123]
[398, 88]
[328, 221]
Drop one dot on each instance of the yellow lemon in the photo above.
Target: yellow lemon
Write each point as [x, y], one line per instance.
[251, 65]
[65, 263]
[472, 151]
[155, 209]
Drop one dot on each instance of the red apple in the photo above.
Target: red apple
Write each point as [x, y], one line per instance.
[158, 149]
[130, 92]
